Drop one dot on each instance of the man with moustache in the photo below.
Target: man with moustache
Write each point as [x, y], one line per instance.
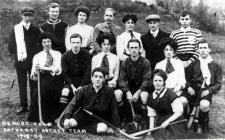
[56, 26]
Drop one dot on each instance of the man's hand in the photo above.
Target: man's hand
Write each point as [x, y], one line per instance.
[129, 95]
[191, 91]
[204, 93]
[68, 123]
[136, 95]
[186, 63]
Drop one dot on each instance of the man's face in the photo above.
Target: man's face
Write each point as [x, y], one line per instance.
[53, 13]
[108, 17]
[168, 52]
[75, 44]
[27, 18]
[81, 17]
[46, 44]
[153, 25]
[134, 49]
[129, 25]
[204, 50]
[97, 79]
[106, 46]
[185, 21]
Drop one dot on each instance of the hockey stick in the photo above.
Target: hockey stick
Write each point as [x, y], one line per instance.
[112, 126]
[156, 128]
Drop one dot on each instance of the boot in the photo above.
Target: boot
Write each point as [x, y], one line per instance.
[204, 121]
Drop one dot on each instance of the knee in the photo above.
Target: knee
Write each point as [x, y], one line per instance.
[118, 95]
[184, 101]
[65, 92]
[204, 105]
[102, 128]
[144, 97]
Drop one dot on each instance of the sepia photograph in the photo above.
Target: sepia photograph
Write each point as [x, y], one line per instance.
[112, 69]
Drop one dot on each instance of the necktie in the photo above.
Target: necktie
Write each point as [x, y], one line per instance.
[49, 59]
[132, 35]
[105, 64]
[169, 67]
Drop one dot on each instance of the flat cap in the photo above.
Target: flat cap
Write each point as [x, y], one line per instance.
[27, 11]
[152, 17]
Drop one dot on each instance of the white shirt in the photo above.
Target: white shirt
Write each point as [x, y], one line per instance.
[175, 78]
[40, 58]
[121, 44]
[155, 33]
[114, 64]
[26, 25]
[86, 31]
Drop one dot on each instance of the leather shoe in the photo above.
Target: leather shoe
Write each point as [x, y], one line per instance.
[21, 110]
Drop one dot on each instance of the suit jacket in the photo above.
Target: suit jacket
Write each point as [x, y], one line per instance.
[154, 52]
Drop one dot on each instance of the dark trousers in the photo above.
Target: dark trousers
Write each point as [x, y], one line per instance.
[22, 75]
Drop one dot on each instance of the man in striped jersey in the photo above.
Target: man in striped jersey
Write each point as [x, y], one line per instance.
[187, 39]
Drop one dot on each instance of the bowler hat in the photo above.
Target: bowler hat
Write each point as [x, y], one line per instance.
[152, 17]
[27, 11]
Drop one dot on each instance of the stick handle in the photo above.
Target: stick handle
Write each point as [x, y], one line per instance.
[156, 128]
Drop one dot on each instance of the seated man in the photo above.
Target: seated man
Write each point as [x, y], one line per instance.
[205, 68]
[107, 60]
[97, 98]
[134, 81]
[76, 69]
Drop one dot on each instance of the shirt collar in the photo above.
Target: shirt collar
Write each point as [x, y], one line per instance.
[154, 33]
[185, 29]
[161, 94]
[26, 25]
[51, 22]
[48, 50]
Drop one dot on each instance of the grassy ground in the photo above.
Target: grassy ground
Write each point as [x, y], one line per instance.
[9, 98]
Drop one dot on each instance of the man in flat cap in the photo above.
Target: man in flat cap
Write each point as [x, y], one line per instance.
[56, 26]
[22, 47]
[151, 40]
[86, 31]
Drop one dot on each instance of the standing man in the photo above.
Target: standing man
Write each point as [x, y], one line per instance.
[76, 69]
[134, 81]
[151, 40]
[187, 39]
[23, 46]
[86, 31]
[108, 27]
[56, 26]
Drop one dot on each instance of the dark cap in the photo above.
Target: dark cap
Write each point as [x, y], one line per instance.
[152, 17]
[27, 11]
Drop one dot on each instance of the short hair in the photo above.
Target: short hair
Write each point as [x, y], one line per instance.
[202, 41]
[53, 5]
[184, 13]
[84, 9]
[127, 17]
[76, 36]
[45, 35]
[98, 69]
[107, 36]
[169, 41]
[134, 40]
[160, 73]
[110, 9]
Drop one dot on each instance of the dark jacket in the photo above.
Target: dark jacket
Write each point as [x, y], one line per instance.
[32, 48]
[154, 52]
[102, 103]
[194, 76]
[135, 75]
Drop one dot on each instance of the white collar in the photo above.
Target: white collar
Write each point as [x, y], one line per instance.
[50, 50]
[154, 33]
[206, 60]
[185, 29]
[26, 25]
[154, 95]
[108, 53]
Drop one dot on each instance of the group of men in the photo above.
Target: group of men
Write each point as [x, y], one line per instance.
[107, 71]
